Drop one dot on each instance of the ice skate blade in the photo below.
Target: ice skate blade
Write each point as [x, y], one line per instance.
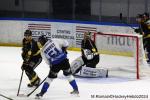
[75, 95]
[22, 95]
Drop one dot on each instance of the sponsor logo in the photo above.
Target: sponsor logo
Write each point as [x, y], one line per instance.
[80, 30]
[40, 29]
[120, 41]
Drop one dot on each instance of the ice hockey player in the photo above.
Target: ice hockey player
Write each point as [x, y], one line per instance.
[31, 58]
[144, 29]
[55, 55]
[85, 65]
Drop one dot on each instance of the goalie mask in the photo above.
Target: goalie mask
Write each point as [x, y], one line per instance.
[87, 35]
[42, 39]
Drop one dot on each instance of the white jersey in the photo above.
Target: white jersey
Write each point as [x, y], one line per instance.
[52, 51]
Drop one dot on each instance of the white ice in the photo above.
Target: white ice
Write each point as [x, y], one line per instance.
[89, 88]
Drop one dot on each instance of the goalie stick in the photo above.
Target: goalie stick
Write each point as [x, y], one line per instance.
[6, 97]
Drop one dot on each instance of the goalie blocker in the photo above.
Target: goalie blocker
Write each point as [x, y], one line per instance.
[79, 69]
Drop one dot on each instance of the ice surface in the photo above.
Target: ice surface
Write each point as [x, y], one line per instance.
[10, 63]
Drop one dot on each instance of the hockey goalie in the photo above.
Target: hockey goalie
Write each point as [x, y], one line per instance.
[85, 65]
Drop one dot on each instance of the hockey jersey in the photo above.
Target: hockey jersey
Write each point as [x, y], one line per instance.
[52, 51]
[88, 45]
[30, 46]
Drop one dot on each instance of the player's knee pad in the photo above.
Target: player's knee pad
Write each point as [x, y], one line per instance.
[70, 78]
[67, 72]
[76, 65]
[29, 69]
[49, 80]
[28, 75]
[25, 66]
[52, 74]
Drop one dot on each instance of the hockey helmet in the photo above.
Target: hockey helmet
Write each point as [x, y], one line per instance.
[146, 15]
[27, 33]
[42, 39]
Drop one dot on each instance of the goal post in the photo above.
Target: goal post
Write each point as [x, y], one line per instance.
[129, 46]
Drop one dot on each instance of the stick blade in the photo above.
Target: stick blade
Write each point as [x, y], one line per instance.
[22, 95]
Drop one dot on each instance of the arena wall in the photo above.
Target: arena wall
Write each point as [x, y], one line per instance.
[12, 31]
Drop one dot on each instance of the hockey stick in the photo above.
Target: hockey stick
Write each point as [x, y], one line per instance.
[36, 88]
[20, 82]
[6, 97]
[125, 22]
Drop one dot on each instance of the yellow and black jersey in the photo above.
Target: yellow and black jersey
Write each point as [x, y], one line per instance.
[90, 45]
[30, 49]
[145, 26]
[90, 59]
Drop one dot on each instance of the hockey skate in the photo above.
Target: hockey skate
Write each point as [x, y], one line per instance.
[35, 83]
[39, 95]
[75, 92]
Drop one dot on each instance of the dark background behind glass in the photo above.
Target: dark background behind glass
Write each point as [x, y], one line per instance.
[81, 10]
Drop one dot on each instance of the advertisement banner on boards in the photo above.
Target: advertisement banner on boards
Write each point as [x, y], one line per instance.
[63, 31]
[38, 28]
[80, 29]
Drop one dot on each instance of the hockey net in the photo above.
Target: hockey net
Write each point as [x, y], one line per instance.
[122, 54]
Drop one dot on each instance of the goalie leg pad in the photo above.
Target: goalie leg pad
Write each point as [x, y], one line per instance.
[93, 72]
[76, 65]
[70, 78]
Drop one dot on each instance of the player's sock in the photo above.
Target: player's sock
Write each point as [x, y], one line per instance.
[43, 90]
[45, 87]
[74, 85]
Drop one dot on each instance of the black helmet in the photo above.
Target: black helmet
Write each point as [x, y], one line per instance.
[28, 32]
[42, 39]
[146, 14]
[139, 16]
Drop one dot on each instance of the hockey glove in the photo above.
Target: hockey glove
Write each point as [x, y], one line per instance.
[24, 65]
[64, 49]
[137, 30]
[26, 55]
